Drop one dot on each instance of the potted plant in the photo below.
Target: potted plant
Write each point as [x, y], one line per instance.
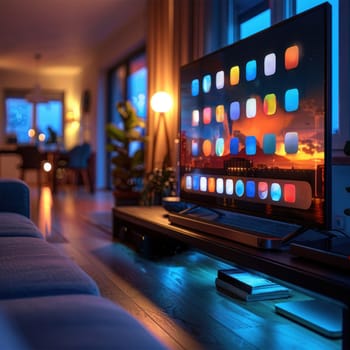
[127, 167]
[159, 183]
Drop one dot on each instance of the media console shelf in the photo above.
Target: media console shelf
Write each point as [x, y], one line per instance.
[324, 282]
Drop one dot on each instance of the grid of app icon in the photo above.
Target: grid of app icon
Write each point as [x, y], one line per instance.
[240, 109]
[272, 104]
[282, 192]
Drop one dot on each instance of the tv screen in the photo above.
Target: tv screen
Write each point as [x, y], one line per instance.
[255, 124]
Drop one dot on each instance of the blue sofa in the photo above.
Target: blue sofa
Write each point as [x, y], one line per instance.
[46, 300]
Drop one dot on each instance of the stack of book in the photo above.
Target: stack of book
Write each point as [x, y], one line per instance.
[245, 285]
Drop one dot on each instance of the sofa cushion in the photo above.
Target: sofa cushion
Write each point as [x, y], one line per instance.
[33, 267]
[14, 194]
[77, 322]
[13, 224]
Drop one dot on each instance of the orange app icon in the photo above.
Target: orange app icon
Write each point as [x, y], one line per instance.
[291, 57]
[206, 148]
[211, 184]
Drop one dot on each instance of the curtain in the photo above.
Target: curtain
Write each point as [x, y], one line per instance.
[179, 31]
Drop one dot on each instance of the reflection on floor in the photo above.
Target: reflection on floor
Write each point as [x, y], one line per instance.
[175, 296]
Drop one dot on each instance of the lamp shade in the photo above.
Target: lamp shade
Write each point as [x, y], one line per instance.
[161, 102]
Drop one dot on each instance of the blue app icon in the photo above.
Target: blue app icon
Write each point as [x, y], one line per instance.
[291, 100]
[235, 110]
[250, 145]
[195, 182]
[269, 143]
[250, 189]
[239, 188]
[250, 70]
[195, 148]
[276, 192]
[234, 145]
[195, 87]
[206, 83]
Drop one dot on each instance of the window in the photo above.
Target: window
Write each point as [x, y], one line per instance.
[21, 116]
[255, 24]
[303, 5]
[128, 82]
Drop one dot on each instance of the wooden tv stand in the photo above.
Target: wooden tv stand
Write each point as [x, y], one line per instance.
[322, 281]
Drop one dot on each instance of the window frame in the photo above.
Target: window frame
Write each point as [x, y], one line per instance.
[52, 95]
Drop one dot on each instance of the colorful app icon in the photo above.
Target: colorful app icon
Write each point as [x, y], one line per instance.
[263, 190]
[195, 117]
[206, 84]
[220, 113]
[188, 182]
[195, 87]
[219, 147]
[235, 110]
[206, 147]
[211, 184]
[250, 189]
[207, 115]
[195, 182]
[270, 64]
[203, 184]
[250, 145]
[239, 188]
[276, 192]
[234, 75]
[229, 186]
[289, 193]
[269, 143]
[195, 148]
[291, 57]
[291, 141]
[250, 70]
[220, 185]
[234, 145]
[291, 100]
[270, 104]
[251, 107]
[220, 79]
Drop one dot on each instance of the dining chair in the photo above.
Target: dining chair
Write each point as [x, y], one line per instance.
[31, 160]
[75, 163]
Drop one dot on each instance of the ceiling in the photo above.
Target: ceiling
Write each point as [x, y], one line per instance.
[64, 32]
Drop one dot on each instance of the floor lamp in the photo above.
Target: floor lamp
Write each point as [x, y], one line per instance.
[161, 102]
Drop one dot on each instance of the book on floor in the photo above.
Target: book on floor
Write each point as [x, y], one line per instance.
[247, 281]
[232, 291]
[249, 286]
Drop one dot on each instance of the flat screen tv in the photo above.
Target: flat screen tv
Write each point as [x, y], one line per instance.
[255, 124]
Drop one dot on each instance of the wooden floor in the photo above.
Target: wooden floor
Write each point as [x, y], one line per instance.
[174, 297]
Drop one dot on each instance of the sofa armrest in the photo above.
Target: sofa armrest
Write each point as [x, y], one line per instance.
[14, 196]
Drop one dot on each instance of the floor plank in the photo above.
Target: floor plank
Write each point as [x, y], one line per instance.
[175, 296]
